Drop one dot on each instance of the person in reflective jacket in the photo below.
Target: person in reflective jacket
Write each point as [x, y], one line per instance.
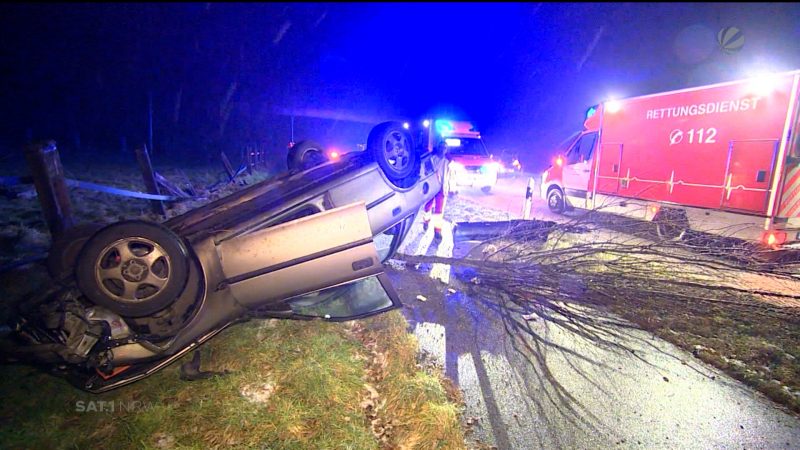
[433, 211]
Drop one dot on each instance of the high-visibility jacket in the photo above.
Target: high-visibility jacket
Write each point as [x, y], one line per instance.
[433, 212]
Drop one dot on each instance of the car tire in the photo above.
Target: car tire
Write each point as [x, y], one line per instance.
[555, 200]
[486, 189]
[305, 155]
[133, 268]
[392, 147]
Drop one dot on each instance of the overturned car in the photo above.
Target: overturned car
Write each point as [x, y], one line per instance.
[134, 296]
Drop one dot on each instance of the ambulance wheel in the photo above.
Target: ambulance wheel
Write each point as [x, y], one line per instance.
[555, 200]
[133, 268]
[305, 155]
[486, 189]
[669, 232]
[671, 224]
[393, 149]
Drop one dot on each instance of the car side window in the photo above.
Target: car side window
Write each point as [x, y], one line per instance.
[582, 149]
[574, 153]
[304, 211]
[587, 146]
[362, 298]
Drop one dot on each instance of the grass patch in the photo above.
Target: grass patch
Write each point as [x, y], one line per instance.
[307, 374]
[421, 408]
[291, 385]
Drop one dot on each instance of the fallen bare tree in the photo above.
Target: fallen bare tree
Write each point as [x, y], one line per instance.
[554, 271]
[547, 263]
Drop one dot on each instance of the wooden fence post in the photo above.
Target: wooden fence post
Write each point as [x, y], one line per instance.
[227, 164]
[143, 159]
[51, 187]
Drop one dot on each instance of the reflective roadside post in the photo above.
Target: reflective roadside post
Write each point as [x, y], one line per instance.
[526, 206]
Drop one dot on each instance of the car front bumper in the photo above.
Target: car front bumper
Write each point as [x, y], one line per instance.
[473, 178]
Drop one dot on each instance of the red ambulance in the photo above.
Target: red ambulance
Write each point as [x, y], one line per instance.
[722, 159]
[471, 164]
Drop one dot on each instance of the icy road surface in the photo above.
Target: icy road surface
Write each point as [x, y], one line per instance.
[555, 389]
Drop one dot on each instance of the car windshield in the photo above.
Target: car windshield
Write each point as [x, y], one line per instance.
[466, 147]
[365, 296]
[567, 143]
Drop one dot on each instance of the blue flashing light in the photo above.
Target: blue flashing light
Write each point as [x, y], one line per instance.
[591, 111]
[444, 126]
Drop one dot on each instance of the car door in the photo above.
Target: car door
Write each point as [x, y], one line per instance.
[323, 265]
[577, 169]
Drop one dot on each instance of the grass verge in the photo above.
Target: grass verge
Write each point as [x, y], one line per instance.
[290, 385]
[760, 351]
[750, 337]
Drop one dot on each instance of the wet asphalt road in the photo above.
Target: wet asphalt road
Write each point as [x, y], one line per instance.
[508, 196]
[540, 384]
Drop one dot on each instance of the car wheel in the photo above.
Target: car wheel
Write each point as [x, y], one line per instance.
[63, 254]
[393, 149]
[305, 155]
[555, 200]
[133, 268]
[486, 189]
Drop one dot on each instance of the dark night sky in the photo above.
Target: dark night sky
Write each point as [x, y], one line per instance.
[525, 73]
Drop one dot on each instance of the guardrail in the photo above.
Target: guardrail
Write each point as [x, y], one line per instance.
[47, 176]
